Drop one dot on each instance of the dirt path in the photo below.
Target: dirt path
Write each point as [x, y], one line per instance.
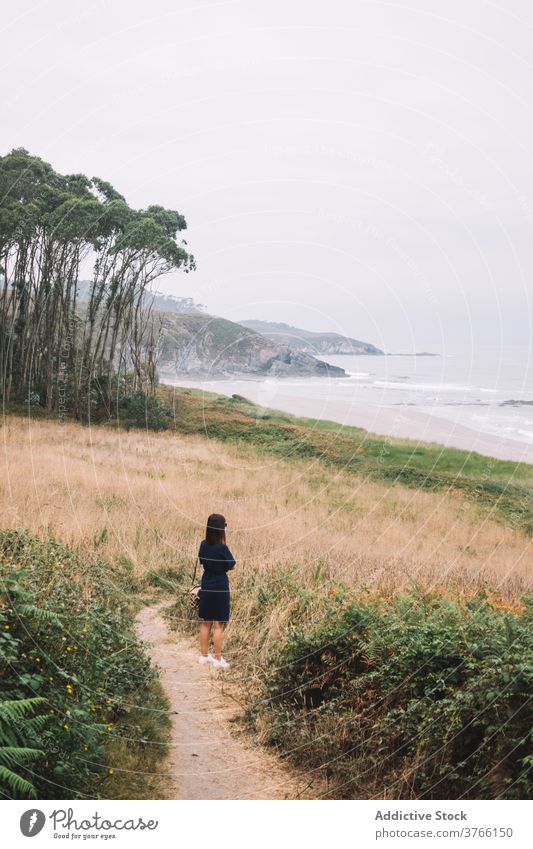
[207, 760]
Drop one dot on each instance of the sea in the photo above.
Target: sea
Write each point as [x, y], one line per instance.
[486, 390]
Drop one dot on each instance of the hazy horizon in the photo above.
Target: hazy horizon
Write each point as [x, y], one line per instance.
[364, 168]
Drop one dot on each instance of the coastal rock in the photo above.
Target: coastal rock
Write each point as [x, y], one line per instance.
[200, 344]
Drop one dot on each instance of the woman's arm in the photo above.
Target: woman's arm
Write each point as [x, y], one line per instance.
[229, 558]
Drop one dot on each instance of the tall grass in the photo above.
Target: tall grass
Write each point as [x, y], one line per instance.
[313, 535]
[141, 500]
[504, 489]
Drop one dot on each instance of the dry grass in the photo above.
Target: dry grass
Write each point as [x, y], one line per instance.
[144, 497]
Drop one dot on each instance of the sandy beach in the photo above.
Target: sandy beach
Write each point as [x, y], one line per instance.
[399, 421]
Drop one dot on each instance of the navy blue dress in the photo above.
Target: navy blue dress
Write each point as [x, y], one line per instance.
[217, 560]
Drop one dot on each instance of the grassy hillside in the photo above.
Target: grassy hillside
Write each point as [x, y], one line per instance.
[360, 558]
[504, 489]
[141, 496]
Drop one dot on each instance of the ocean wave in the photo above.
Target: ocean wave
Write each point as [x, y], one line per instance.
[466, 404]
[434, 387]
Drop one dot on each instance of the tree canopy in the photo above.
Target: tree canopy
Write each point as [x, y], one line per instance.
[54, 349]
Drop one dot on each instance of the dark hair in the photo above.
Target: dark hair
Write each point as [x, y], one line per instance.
[215, 531]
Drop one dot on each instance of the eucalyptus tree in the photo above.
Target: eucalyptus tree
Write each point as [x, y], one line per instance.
[51, 344]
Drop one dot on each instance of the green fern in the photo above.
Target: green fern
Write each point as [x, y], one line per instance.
[36, 723]
[13, 710]
[13, 756]
[11, 783]
[39, 614]
[15, 725]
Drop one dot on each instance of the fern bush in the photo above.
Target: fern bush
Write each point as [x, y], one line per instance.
[18, 726]
[419, 696]
[71, 667]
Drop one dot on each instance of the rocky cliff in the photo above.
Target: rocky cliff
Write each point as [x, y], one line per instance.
[308, 341]
[200, 344]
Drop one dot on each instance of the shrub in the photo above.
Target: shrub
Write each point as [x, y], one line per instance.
[68, 658]
[419, 697]
[144, 411]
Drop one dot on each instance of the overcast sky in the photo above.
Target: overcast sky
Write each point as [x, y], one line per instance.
[355, 166]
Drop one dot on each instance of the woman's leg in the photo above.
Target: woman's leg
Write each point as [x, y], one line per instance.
[218, 633]
[205, 628]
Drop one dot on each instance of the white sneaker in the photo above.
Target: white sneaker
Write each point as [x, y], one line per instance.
[206, 658]
[220, 664]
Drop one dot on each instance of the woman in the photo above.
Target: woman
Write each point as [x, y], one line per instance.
[217, 560]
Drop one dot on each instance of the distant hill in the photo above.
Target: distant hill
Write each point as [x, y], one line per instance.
[155, 300]
[195, 343]
[172, 303]
[201, 344]
[310, 342]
